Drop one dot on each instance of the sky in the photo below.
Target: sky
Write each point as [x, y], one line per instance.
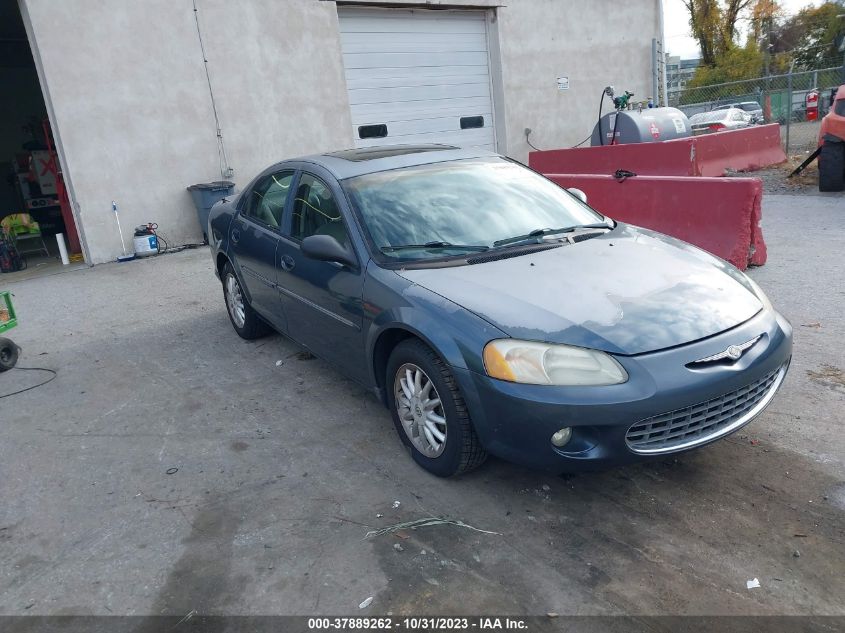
[676, 23]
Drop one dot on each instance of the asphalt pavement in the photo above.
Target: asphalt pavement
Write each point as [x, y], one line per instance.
[172, 467]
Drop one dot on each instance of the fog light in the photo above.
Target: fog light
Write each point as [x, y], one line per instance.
[560, 438]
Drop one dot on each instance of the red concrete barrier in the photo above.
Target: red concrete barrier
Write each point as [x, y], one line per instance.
[669, 158]
[720, 215]
[706, 155]
[758, 245]
[747, 149]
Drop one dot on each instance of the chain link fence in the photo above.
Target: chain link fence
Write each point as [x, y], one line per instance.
[781, 99]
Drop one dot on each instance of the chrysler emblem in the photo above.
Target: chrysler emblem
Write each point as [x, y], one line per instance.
[734, 352]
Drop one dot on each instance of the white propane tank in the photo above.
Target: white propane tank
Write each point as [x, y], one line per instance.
[145, 242]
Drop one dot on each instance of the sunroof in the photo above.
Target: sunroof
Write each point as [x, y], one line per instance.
[373, 153]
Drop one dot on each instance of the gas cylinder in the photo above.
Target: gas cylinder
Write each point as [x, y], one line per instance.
[648, 126]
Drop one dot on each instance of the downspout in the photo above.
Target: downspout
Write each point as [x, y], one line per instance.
[662, 29]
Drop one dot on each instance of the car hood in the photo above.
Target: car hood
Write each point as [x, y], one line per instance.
[628, 291]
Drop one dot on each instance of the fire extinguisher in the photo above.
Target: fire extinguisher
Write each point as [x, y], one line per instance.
[813, 105]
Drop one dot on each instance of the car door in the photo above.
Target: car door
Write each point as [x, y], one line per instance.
[254, 238]
[322, 300]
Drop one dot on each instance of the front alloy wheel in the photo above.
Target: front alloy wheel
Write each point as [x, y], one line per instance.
[420, 410]
[429, 412]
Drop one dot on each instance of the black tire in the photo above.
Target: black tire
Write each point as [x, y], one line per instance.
[8, 354]
[462, 450]
[253, 326]
[832, 167]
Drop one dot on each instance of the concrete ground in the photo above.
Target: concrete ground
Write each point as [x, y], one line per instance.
[278, 471]
[41, 265]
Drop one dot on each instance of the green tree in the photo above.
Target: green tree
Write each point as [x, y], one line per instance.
[811, 37]
[735, 64]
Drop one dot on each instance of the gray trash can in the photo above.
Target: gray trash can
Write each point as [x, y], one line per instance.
[205, 195]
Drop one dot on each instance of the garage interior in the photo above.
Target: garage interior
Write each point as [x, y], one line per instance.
[34, 206]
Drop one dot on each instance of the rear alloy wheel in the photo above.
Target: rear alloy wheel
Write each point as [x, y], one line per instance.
[244, 319]
[429, 412]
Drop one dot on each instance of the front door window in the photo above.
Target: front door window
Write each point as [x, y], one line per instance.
[315, 211]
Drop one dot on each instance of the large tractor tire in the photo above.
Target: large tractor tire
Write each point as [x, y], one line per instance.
[832, 166]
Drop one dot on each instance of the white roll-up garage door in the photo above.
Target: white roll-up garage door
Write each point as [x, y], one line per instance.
[418, 76]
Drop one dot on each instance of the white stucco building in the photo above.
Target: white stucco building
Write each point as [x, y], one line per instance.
[124, 85]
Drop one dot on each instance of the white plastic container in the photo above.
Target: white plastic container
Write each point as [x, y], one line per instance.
[145, 245]
[60, 240]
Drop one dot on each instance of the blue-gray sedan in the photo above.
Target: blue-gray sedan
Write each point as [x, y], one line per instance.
[495, 312]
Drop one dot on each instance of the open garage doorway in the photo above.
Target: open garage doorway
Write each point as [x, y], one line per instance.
[36, 218]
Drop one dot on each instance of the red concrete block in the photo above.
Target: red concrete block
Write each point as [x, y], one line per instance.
[719, 215]
[668, 158]
[748, 149]
[706, 155]
[758, 245]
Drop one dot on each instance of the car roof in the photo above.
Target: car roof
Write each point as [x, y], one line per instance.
[737, 105]
[349, 163]
[712, 115]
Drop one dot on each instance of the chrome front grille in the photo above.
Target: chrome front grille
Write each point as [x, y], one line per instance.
[704, 422]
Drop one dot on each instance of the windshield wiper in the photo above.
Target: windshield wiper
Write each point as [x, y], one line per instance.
[536, 236]
[432, 245]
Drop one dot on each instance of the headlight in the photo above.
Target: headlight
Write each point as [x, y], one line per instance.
[758, 291]
[545, 364]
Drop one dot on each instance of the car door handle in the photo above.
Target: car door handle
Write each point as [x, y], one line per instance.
[236, 236]
[287, 262]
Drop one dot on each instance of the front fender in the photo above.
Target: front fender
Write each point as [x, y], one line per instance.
[455, 333]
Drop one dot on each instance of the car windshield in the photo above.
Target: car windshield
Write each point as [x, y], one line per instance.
[750, 106]
[459, 207]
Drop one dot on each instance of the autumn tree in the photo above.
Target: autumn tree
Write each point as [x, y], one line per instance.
[714, 25]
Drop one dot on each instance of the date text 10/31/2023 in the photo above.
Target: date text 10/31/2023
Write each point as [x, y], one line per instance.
[416, 624]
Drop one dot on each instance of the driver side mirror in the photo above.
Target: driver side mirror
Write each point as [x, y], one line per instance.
[325, 248]
[578, 194]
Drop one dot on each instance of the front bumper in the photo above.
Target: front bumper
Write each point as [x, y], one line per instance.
[516, 422]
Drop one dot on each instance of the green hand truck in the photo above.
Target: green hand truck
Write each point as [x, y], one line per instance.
[8, 350]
